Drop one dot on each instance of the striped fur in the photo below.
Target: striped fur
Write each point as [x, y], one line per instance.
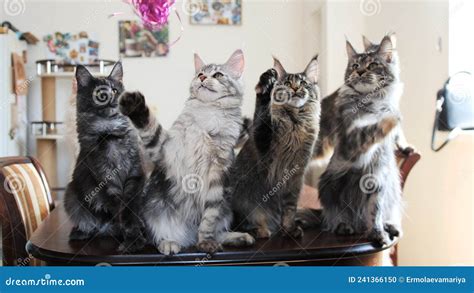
[360, 189]
[185, 203]
[266, 178]
[327, 138]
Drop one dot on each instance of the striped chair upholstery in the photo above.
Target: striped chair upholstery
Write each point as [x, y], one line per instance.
[25, 202]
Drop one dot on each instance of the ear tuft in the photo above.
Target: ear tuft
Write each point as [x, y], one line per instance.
[117, 72]
[236, 63]
[351, 52]
[386, 48]
[198, 63]
[367, 43]
[281, 72]
[312, 70]
[83, 76]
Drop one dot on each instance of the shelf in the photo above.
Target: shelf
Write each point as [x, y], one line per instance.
[68, 74]
[49, 137]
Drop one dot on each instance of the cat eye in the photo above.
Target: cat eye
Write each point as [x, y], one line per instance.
[303, 83]
[288, 84]
[217, 75]
[355, 66]
[114, 91]
[372, 66]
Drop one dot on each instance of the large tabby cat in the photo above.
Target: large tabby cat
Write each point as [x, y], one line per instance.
[360, 189]
[266, 178]
[185, 203]
[103, 197]
[324, 146]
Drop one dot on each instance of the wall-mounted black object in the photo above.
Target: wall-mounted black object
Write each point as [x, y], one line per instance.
[454, 107]
[24, 36]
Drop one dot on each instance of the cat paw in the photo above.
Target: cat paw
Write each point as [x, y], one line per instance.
[169, 247]
[266, 82]
[78, 235]
[378, 238]
[209, 246]
[238, 239]
[133, 105]
[392, 230]
[389, 123]
[295, 232]
[344, 229]
[262, 233]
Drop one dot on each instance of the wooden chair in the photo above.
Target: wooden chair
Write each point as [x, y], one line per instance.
[406, 159]
[25, 201]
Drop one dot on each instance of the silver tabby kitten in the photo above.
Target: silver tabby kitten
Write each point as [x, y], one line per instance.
[185, 202]
[360, 189]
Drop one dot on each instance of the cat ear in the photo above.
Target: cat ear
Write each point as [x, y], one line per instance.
[386, 48]
[351, 52]
[198, 63]
[117, 72]
[312, 70]
[235, 64]
[367, 43]
[279, 68]
[83, 76]
[393, 38]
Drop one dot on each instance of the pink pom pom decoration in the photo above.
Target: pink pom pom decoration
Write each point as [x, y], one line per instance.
[153, 13]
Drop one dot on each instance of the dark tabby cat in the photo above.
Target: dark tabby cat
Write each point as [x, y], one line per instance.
[103, 197]
[326, 141]
[360, 189]
[267, 176]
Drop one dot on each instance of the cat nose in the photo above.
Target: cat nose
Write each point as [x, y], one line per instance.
[202, 77]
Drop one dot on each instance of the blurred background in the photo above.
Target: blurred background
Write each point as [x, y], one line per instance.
[434, 40]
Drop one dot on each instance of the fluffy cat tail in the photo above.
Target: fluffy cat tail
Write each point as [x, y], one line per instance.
[309, 218]
[244, 132]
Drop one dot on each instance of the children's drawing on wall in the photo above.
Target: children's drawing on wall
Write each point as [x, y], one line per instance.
[137, 41]
[67, 48]
[223, 12]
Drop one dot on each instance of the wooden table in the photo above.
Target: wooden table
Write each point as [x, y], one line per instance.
[50, 243]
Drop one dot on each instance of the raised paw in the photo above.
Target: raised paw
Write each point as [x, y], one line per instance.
[266, 82]
[132, 104]
[169, 247]
[389, 123]
[392, 231]
[77, 235]
[378, 238]
[209, 246]
[344, 229]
